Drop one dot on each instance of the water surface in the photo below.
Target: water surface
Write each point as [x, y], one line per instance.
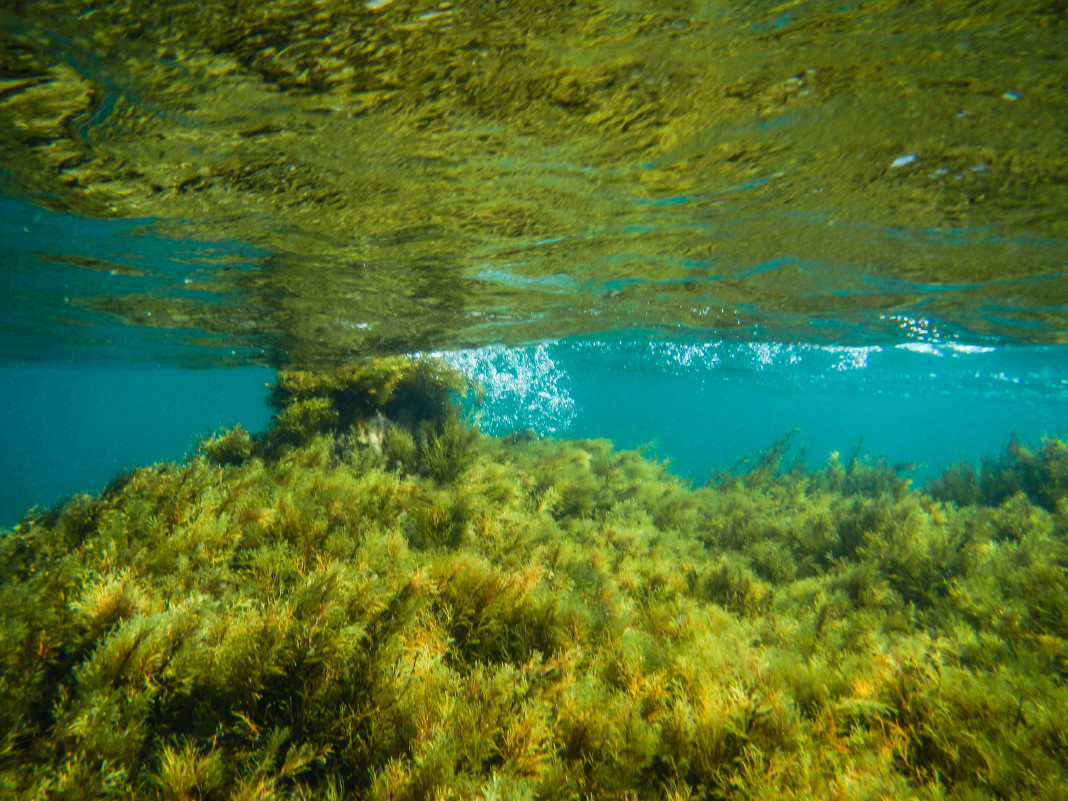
[392, 176]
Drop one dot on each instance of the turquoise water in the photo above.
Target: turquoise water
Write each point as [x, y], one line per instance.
[705, 406]
[81, 403]
[68, 428]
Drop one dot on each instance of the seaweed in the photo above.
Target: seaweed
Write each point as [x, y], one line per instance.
[373, 599]
[1042, 475]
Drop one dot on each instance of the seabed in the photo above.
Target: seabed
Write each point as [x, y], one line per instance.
[374, 600]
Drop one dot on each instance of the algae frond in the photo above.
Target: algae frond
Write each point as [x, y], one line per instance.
[374, 600]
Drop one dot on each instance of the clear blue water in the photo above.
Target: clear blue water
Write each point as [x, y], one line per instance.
[707, 405]
[52, 262]
[67, 428]
[81, 403]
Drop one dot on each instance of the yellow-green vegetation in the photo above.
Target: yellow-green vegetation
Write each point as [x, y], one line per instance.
[372, 600]
[428, 174]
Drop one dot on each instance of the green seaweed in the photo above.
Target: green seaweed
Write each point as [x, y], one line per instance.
[1042, 475]
[373, 599]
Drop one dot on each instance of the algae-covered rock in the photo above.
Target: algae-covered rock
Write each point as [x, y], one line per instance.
[321, 613]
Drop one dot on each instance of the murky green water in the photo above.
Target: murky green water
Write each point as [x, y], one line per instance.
[432, 174]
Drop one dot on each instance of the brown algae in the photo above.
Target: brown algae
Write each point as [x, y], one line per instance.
[374, 600]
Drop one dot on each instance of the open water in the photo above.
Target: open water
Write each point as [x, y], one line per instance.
[704, 405]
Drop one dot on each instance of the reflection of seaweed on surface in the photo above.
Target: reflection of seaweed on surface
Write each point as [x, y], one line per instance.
[467, 233]
[338, 609]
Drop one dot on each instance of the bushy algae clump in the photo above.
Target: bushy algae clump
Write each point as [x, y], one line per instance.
[373, 600]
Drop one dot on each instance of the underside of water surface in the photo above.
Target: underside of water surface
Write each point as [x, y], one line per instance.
[382, 177]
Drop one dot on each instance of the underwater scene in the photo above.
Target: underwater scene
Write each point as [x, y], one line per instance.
[603, 399]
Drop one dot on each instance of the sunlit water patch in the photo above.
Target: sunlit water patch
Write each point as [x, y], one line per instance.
[522, 388]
